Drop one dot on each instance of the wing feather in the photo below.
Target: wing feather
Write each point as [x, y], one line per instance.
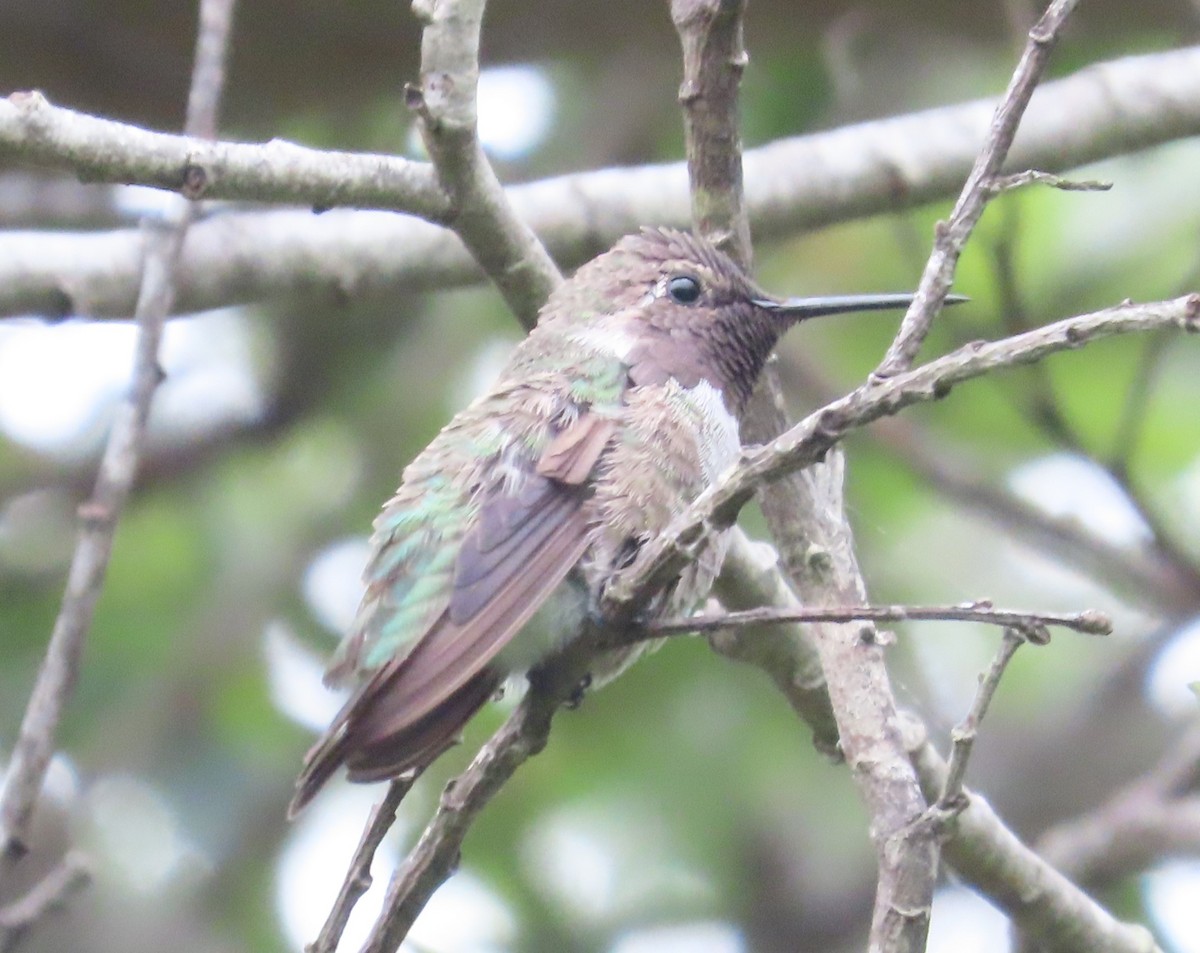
[572, 454]
[520, 548]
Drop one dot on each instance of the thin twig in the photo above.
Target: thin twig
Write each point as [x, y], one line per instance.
[436, 853]
[1140, 575]
[1007, 183]
[118, 467]
[1032, 625]
[952, 235]
[1039, 899]
[49, 894]
[358, 876]
[963, 736]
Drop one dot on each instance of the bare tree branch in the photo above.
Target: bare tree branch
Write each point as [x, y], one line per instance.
[519, 265]
[1039, 899]
[981, 848]
[103, 150]
[526, 730]
[979, 188]
[791, 185]
[50, 893]
[805, 510]
[1122, 839]
[965, 732]
[714, 58]
[436, 854]
[813, 437]
[480, 212]
[358, 876]
[1033, 625]
[118, 467]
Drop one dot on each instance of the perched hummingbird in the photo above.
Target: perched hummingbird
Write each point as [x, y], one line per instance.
[615, 412]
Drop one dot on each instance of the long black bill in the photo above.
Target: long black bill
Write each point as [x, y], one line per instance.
[803, 308]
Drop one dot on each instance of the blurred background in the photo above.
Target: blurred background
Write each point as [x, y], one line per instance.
[682, 808]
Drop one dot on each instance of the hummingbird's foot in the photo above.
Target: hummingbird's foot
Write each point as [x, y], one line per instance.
[575, 699]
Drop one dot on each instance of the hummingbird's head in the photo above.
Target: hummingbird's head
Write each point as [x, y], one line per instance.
[673, 305]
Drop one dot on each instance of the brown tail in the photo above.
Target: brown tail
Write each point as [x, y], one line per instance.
[375, 744]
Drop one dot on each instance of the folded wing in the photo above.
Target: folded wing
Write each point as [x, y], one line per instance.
[521, 546]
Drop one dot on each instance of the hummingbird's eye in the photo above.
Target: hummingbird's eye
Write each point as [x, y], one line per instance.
[683, 288]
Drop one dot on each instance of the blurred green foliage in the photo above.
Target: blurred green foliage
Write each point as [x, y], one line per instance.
[691, 772]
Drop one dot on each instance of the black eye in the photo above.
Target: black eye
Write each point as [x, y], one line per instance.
[683, 288]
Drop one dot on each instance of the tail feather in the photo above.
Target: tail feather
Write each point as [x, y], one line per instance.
[419, 743]
[322, 760]
[375, 742]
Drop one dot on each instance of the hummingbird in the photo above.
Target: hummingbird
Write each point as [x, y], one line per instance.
[614, 413]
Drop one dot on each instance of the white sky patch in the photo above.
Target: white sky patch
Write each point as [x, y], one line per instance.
[1175, 668]
[137, 834]
[705, 937]
[210, 373]
[141, 201]
[62, 780]
[963, 922]
[59, 384]
[314, 860]
[1068, 486]
[604, 863]
[516, 106]
[1171, 891]
[574, 864]
[53, 379]
[294, 674]
[333, 584]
